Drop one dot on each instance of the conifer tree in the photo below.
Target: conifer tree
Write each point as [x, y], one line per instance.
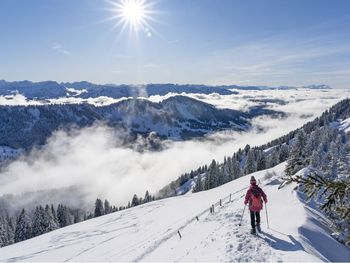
[54, 214]
[10, 229]
[99, 209]
[63, 216]
[334, 193]
[23, 227]
[49, 220]
[135, 201]
[250, 166]
[108, 208]
[199, 185]
[147, 198]
[3, 232]
[297, 157]
[39, 227]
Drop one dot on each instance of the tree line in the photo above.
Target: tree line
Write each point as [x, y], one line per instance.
[44, 219]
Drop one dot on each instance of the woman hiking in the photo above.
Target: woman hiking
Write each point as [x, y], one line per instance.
[255, 196]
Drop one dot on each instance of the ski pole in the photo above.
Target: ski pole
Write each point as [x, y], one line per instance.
[267, 218]
[240, 223]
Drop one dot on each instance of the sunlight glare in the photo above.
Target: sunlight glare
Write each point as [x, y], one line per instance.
[133, 14]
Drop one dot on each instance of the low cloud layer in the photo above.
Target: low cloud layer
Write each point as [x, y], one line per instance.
[93, 158]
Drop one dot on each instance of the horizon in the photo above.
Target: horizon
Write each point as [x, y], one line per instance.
[255, 43]
[169, 83]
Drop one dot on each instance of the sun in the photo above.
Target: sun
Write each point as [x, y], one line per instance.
[133, 14]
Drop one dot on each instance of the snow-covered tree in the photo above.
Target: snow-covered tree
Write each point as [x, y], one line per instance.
[63, 216]
[297, 157]
[261, 161]
[199, 185]
[6, 232]
[250, 166]
[23, 227]
[39, 226]
[50, 221]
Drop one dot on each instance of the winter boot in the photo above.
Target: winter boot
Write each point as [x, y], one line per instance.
[253, 231]
[258, 228]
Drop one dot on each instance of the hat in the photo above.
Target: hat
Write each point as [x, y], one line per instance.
[252, 180]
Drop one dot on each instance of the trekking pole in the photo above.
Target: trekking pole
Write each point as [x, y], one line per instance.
[267, 218]
[240, 223]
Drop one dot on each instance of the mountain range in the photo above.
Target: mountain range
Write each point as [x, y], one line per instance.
[52, 89]
[176, 118]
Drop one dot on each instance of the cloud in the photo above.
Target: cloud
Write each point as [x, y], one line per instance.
[60, 49]
[95, 159]
[175, 41]
[287, 59]
[122, 56]
[150, 65]
[116, 71]
[16, 99]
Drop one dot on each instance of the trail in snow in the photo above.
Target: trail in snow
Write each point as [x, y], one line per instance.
[218, 237]
[149, 232]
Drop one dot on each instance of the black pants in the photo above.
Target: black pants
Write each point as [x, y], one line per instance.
[254, 216]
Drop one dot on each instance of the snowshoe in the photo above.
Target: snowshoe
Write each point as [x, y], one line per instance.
[253, 231]
[258, 228]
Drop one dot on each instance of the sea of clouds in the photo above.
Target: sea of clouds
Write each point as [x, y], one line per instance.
[94, 160]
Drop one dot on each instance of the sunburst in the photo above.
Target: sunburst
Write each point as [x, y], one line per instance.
[135, 15]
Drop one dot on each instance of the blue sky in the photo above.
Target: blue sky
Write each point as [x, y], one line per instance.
[246, 42]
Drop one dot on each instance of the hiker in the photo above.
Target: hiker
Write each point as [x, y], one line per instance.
[255, 196]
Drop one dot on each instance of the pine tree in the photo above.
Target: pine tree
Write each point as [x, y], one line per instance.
[199, 185]
[283, 153]
[10, 230]
[213, 175]
[273, 159]
[297, 157]
[135, 201]
[64, 216]
[147, 197]
[99, 209]
[3, 232]
[236, 169]
[39, 222]
[108, 208]
[23, 227]
[49, 220]
[250, 166]
[54, 214]
[261, 162]
[334, 193]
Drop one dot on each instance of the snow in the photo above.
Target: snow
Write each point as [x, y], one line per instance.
[76, 92]
[269, 150]
[150, 232]
[345, 125]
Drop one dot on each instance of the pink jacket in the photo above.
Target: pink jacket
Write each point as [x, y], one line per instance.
[248, 198]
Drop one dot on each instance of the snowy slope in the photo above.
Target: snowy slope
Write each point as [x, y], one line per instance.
[149, 232]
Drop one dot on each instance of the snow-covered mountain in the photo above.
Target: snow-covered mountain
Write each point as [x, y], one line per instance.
[84, 89]
[176, 118]
[151, 232]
